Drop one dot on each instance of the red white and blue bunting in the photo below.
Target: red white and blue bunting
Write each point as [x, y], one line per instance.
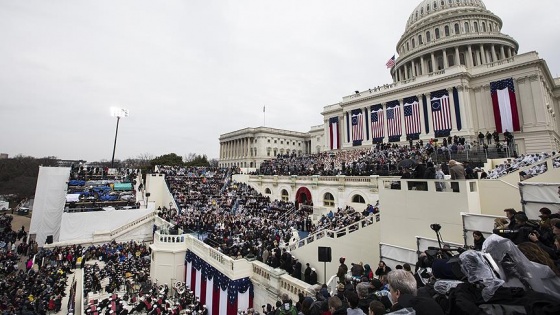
[220, 294]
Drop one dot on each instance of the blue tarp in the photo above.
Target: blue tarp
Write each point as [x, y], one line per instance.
[76, 182]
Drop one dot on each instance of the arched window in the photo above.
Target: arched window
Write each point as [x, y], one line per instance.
[358, 199]
[437, 33]
[451, 59]
[457, 28]
[284, 195]
[490, 27]
[428, 36]
[435, 5]
[446, 30]
[467, 28]
[407, 46]
[420, 40]
[439, 61]
[328, 200]
[484, 27]
[475, 27]
[413, 43]
[430, 66]
[428, 8]
[462, 59]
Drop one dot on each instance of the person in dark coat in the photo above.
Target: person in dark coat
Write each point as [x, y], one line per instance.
[313, 277]
[297, 268]
[430, 172]
[478, 240]
[307, 273]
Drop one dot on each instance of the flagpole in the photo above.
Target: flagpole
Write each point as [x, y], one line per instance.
[264, 116]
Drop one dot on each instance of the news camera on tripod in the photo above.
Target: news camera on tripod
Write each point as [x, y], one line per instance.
[439, 262]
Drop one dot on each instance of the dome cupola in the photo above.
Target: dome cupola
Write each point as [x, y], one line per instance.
[445, 33]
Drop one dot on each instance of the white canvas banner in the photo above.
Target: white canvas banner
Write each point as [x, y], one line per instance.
[394, 255]
[535, 196]
[478, 222]
[50, 198]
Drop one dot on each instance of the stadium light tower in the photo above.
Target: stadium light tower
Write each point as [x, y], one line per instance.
[117, 112]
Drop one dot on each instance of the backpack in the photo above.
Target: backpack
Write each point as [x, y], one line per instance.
[291, 311]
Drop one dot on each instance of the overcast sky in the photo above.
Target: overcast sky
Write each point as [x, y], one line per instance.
[189, 70]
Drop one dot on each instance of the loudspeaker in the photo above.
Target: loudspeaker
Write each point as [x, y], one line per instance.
[49, 239]
[325, 254]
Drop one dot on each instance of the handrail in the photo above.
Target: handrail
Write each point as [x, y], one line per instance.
[130, 224]
[369, 220]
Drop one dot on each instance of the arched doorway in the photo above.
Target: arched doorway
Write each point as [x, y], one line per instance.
[303, 196]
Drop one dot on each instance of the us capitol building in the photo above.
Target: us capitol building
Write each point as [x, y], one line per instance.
[456, 74]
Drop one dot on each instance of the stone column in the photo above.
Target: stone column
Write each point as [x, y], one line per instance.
[433, 62]
[469, 60]
[445, 63]
[413, 68]
[452, 109]
[466, 115]
[340, 134]
[494, 57]
[478, 57]
[430, 120]
[385, 126]
[483, 54]
[457, 58]
[422, 66]
[403, 130]
[421, 106]
[502, 52]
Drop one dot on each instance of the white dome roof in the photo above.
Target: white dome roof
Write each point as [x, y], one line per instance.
[428, 7]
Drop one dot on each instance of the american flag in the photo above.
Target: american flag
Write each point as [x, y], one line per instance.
[412, 118]
[377, 128]
[394, 121]
[391, 62]
[441, 111]
[357, 125]
[504, 103]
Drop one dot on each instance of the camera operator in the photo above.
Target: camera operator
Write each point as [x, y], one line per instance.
[521, 231]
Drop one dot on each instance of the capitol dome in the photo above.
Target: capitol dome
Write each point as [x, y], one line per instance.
[440, 34]
[428, 7]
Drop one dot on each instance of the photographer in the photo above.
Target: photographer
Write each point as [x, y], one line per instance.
[521, 231]
[535, 238]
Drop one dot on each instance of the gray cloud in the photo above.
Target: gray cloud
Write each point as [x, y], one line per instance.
[189, 71]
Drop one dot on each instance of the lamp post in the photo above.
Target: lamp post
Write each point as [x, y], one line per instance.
[117, 112]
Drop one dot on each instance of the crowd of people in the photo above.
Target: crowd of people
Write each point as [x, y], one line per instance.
[240, 222]
[514, 164]
[28, 290]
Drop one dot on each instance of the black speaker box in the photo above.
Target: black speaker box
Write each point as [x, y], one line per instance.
[325, 254]
[49, 239]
